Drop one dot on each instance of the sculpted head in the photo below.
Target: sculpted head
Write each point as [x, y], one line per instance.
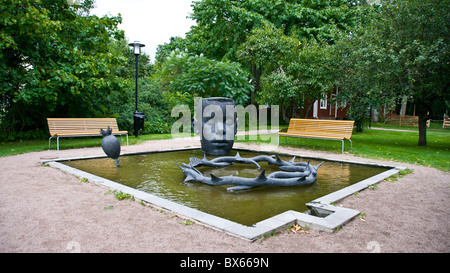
[216, 123]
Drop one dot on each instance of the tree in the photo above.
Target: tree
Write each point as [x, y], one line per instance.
[187, 76]
[402, 49]
[313, 69]
[265, 37]
[54, 61]
[365, 72]
[222, 25]
[283, 90]
[266, 49]
[418, 33]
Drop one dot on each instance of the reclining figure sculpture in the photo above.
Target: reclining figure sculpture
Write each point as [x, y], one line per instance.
[294, 174]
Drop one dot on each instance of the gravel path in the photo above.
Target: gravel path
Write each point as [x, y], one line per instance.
[45, 210]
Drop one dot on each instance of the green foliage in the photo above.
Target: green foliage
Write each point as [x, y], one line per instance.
[313, 69]
[402, 49]
[421, 43]
[364, 70]
[54, 61]
[222, 26]
[187, 223]
[120, 195]
[151, 102]
[268, 47]
[188, 76]
[264, 35]
[283, 90]
[57, 60]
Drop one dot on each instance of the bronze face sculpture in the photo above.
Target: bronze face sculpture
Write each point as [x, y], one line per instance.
[216, 123]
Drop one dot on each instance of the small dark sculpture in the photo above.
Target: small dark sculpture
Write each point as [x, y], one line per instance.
[299, 173]
[222, 161]
[110, 145]
[217, 125]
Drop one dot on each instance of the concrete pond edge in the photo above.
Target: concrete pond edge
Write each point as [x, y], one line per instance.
[322, 215]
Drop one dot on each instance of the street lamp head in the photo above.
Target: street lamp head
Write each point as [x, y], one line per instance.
[136, 47]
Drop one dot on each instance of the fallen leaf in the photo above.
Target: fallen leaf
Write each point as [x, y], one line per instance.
[295, 228]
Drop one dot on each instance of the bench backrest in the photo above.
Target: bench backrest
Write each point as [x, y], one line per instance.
[80, 125]
[446, 123]
[318, 127]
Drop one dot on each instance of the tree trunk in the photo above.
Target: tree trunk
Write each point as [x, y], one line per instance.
[359, 125]
[309, 109]
[404, 103]
[423, 129]
[256, 74]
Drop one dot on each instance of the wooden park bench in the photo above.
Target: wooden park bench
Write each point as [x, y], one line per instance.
[321, 129]
[81, 127]
[446, 123]
[402, 120]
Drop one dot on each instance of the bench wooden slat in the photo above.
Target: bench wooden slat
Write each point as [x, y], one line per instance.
[314, 135]
[79, 127]
[323, 129]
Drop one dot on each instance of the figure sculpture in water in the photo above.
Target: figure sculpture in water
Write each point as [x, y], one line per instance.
[110, 145]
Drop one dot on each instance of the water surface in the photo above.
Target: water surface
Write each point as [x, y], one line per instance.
[158, 174]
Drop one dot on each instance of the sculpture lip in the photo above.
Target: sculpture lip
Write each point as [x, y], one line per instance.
[220, 143]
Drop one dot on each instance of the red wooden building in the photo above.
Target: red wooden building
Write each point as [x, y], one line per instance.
[324, 109]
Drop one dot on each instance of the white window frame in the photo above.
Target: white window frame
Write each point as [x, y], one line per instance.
[323, 102]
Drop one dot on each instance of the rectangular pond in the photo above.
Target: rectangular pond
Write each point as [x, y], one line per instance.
[156, 173]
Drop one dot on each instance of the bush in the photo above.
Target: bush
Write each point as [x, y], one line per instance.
[151, 102]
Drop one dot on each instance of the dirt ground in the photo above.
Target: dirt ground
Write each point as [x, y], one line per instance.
[43, 209]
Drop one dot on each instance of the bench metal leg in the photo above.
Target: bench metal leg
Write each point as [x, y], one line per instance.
[121, 138]
[351, 145]
[50, 141]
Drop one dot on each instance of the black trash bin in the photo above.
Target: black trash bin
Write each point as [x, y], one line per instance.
[138, 122]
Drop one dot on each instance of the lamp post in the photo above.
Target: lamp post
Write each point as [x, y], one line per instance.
[138, 116]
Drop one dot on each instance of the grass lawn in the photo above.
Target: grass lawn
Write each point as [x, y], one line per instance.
[26, 146]
[397, 146]
[402, 147]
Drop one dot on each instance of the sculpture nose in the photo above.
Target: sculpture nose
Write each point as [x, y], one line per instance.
[220, 129]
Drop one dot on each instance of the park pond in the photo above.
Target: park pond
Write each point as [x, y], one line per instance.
[158, 174]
